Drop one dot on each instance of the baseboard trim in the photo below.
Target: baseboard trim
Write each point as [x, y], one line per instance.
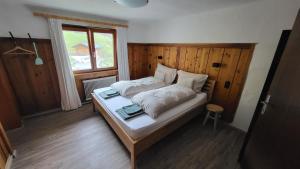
[42, 113]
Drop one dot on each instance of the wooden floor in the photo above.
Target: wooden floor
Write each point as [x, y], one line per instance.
[82, 140]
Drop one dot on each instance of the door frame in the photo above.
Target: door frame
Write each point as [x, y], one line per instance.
[277, 57]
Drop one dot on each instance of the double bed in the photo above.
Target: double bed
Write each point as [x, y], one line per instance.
[141, 132]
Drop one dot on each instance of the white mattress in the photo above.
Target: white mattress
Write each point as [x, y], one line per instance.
[143, 125]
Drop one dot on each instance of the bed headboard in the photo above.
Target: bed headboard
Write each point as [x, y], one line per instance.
[209, 88]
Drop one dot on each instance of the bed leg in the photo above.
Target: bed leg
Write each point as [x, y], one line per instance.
[133, 160]
[94, 108]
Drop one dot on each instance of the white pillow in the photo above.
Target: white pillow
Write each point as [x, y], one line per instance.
[170, 74]
[199, 79]
[159, 75]
[186, 81]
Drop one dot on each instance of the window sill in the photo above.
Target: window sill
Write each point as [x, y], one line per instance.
[94, 70]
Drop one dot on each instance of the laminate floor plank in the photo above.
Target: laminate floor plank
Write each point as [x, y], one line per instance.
[81, 139]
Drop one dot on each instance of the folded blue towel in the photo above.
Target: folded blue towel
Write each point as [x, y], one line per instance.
[126, 116]
[109, 94]
[132, 109]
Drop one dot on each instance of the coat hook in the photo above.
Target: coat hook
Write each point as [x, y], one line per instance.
[13, 38]
[38, 59]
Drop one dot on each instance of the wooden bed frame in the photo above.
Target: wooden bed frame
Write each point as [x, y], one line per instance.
[137, 146]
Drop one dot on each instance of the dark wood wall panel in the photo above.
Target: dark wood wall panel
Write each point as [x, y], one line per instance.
[9, 113]
[137, 58]
[226, 63]
[36, 87]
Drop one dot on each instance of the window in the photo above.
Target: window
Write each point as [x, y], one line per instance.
[90, 49]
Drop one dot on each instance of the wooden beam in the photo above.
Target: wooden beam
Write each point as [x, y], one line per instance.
[47, 15]
[201, 45]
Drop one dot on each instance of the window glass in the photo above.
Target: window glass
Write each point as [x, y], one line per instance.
[78, 49]
[104, 49]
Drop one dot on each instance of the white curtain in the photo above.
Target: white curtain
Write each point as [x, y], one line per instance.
[69, 95]
[123, 65]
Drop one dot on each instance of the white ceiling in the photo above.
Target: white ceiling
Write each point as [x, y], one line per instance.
[155, 10]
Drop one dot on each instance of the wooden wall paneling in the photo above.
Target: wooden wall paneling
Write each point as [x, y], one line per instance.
[169, 56]
[50, 63]
[36, 87]
[44, 79]
[153, 53]
[215, 56]
[201, 60]
[137, 56]
[135, 61]
[130, 61]
[191, 55]
[136, 68]
[159, 55]
[173, 57]
[9, 116]
[166, 56]
[151, 60]
[182, 58]
[139, 61]
[145, 62]
[229, 65]
[18, 76]
[238, 82]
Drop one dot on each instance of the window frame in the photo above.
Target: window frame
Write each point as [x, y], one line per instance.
[91, 43]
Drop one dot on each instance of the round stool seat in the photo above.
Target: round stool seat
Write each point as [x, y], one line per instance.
[214, 108]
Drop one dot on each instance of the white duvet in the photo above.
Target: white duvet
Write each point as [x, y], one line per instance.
[132, 87]
[154, 102]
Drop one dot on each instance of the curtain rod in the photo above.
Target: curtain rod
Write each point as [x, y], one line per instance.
[47, 15]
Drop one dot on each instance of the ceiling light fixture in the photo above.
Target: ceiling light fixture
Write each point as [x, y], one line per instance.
[132, 3]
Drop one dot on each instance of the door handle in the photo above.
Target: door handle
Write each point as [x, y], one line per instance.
[265, 104]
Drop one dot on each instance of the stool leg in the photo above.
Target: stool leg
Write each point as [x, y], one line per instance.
[206, 118]
[216, 120]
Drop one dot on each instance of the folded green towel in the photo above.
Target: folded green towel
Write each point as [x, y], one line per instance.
[126, 116]
[109, 94]
[132, 109]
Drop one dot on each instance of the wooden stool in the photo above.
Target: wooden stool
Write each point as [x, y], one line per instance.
[214, 112]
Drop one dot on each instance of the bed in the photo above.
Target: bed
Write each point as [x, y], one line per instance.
[163, 76]
[131, 87]
[141, 132]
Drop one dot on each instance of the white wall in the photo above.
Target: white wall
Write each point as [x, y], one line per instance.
[18, 19]
[261, 22]
[137, 32]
